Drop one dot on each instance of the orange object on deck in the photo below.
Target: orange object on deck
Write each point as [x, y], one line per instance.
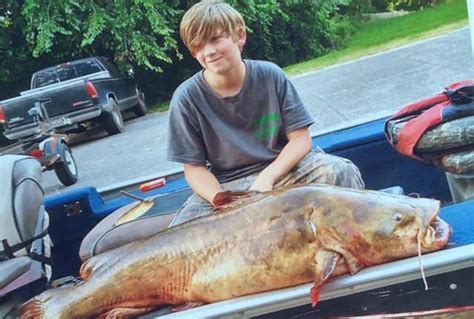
[148, 186]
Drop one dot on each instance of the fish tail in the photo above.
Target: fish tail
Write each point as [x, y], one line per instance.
[48, 304]
[32, 309]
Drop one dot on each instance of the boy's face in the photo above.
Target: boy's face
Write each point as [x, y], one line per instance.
[221, 53]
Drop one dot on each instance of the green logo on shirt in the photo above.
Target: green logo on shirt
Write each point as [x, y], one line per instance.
[268, 126]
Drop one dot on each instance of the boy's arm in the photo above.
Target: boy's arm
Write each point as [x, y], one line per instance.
[202, 181]
[299, 144]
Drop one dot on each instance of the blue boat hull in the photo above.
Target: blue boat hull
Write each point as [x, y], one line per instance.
[75, 213]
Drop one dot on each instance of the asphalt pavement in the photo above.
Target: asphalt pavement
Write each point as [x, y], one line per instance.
[339, 96]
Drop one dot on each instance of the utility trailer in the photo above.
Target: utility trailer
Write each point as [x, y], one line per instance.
[50, 148]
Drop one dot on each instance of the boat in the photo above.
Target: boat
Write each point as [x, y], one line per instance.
[383, 290]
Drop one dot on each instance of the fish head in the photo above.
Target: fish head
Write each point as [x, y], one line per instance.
[400, 227]
[374, 227]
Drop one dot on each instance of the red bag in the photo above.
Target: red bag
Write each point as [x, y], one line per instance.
[455, 102]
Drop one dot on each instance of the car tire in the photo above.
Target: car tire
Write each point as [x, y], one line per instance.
[4, 141]
[113, 120]
[140, 109]
[66, 168]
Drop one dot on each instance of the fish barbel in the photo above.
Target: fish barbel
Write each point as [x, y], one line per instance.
[266, 241]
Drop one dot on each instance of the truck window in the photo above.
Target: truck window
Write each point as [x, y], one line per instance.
[50, 76]
[64, 72]
[46, 77]
[87, 67]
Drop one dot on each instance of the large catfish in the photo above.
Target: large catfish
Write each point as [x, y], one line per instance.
[266, 241]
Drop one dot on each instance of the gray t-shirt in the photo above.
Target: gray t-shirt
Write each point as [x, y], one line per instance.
[237, 135]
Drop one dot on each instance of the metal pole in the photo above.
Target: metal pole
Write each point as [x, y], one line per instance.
[470, 12]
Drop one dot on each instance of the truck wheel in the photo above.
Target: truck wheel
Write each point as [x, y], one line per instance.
[66, 168]
[140, 109]
[5, 141]
[113, 121]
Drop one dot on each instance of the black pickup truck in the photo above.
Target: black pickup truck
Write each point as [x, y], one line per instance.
[75, 93]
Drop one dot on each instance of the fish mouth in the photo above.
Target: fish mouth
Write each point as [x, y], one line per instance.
[436, 237]
[437, 234]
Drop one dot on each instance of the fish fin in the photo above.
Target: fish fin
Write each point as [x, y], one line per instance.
[352, 263]
[125, 313]
[86, 270]
[32, 309]
[231, 199]
[326, 262]
[188, 305]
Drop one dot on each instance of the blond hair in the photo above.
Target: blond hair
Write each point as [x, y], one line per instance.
[205, 19]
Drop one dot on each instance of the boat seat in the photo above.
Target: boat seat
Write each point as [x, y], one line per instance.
[18, 272]
[110, 233]
[13, 268]
[107, 235]
[25, 245]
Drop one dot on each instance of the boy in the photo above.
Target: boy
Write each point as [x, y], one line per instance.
[240, 124]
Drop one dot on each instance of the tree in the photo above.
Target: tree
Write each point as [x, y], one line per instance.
[140, 32]
[143, 35]
[14, 51]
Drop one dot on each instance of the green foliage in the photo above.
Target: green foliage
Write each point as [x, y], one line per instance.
[293, 30]
[137, 32]
[143, 35]
[357, 7]
[380, 35]
[368, 6]
[381, 5]
[14, 52]
[259, 16]
[410, 5]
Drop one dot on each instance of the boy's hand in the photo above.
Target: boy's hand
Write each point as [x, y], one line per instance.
[262, 184]
[299, 144]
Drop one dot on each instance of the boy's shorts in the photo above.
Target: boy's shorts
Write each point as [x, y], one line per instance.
[315, 167]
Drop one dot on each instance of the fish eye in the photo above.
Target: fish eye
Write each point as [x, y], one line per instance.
[398, 217]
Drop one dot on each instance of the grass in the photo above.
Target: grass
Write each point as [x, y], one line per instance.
[158, 107]
[381, 35]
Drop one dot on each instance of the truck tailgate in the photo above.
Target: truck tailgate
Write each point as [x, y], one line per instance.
[57, 101]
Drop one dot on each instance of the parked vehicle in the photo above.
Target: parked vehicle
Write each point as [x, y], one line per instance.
[383, 289]
[75, 93]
